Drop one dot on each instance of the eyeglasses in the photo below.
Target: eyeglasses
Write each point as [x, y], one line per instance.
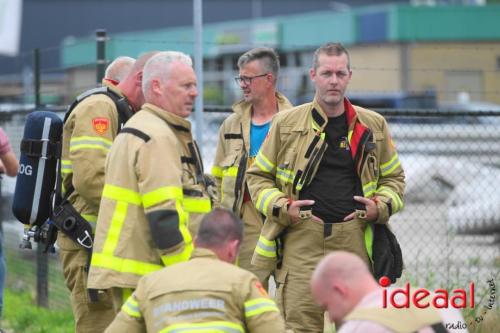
[247, 79]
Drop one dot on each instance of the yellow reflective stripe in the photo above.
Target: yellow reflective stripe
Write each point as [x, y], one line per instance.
[322, 135]
[315, 126]
[66, 166]
[121, 194]
[123, 265]
[263, 163]
[208, 327]
[397, 203]
[369, 241]
[230, 172]
[369, 189]
[266, 247]
[285, 174]
[387, 168]
[90, 218]
[115, 228]
[160, 195]
[172, 259]
[258, 306]
[131, 307]
[264, 198]
[349, 136]
[217, 171]
[66, 171]
[89, 142]
[197, 205]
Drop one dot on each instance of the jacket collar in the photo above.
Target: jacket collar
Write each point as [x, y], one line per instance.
[244, 110]
[200, 252]
[176, 122]
[320, 118]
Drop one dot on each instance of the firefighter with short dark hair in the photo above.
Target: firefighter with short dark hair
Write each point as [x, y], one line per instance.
[155, 193]
[326, 173]
[206, 293]
[88, 134]
[240, 137]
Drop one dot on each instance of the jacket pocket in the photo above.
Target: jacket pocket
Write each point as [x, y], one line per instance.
[229, 167]
[285, 172]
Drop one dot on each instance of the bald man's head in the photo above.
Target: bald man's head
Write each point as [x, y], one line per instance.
[131, 85]
[341, 265]
[339, 282]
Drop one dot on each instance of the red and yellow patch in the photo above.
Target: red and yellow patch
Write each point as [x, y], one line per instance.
[101, 125]
[261, 289]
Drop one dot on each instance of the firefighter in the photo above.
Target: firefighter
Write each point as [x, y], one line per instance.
[207, 293]
[154, 194]
[343, 285]
[87, 136]
[240, 137]
[327, 171]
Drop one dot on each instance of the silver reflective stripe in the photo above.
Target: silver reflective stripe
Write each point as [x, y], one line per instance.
[40, 171]
[266, 247]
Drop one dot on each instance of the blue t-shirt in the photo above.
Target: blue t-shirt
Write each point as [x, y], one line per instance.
[257, 135]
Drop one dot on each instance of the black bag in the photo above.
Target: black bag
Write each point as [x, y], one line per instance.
[386, 253]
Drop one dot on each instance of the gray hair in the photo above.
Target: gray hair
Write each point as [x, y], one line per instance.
[219, 227]
[331, 49]
[266, 56]
[119, 68]
[158, 66]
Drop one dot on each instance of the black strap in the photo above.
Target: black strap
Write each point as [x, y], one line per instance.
[365, 138]
[318, 118]
[192, 193]
[296, 181]
[178, 127]
[138, 133]
[34, 148]
[311, 146]
[195, 154]
[188, 160]
[230, 136]
[121, 103]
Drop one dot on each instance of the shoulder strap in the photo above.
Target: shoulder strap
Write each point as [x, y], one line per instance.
[122, 104]
[138, 133]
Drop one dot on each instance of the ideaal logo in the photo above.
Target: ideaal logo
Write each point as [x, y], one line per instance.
[419, 297]
[439, 299]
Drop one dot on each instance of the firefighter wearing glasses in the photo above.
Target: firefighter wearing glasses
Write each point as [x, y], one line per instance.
[240, 138]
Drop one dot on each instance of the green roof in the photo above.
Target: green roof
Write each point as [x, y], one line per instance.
[384, 23]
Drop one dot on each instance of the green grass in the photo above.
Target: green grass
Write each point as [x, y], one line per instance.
[21, 314]
[21, 276]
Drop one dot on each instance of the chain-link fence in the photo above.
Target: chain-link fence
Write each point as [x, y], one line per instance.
[449, 229]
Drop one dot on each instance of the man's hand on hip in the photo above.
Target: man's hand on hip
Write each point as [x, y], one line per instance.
[294, 210]
[371, 210]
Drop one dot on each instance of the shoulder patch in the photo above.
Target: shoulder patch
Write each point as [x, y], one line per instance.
[100, 125]
[261, 289]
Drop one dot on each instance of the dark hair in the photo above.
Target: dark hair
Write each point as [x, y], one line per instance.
[267, 56]
[331, 49]
[219, 227]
